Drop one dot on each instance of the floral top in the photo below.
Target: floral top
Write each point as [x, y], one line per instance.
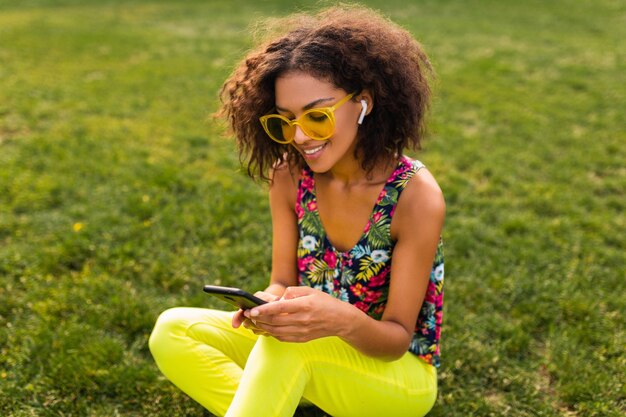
[361, 275]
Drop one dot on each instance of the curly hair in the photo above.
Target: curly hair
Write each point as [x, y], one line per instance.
[352, 47]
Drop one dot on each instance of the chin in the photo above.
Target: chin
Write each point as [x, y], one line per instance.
[316, 167]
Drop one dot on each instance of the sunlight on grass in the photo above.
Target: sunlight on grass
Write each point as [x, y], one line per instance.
[120, 197]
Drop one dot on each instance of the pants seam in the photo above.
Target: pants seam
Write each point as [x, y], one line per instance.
[285, 397]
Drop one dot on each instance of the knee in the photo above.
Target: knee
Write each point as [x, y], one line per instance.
[168, 325]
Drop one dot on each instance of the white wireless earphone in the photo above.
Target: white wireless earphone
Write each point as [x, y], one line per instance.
[362, 115]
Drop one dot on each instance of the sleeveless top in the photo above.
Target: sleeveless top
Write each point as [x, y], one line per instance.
[361, 276]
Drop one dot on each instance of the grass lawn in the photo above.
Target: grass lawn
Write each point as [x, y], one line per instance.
[120, 197]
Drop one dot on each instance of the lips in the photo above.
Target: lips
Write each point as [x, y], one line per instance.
[313, 152]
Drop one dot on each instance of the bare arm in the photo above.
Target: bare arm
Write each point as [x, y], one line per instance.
[283, 190]
[418, 220]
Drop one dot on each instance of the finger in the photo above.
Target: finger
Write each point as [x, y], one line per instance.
[292, 319]
[297, 291]
[294, 338]
[237, 319]
[249, 324]
[275, 308]
[266, 296]
[291, 332]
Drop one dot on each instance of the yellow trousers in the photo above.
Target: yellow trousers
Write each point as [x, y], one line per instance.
[234, 372]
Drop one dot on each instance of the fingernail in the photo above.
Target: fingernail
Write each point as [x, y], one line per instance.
[254, 313]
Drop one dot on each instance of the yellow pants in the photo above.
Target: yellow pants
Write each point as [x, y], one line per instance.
[233, 372]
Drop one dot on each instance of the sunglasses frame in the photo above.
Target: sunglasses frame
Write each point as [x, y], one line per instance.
[328, 111]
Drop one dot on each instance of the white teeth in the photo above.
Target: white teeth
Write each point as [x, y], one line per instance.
[312, 151]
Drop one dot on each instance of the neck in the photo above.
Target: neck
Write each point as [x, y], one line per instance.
[350, 173]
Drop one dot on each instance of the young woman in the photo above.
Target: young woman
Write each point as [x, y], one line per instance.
[324, 111]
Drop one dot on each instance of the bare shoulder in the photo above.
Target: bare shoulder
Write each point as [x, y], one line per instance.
[422, 201]
[284, 183]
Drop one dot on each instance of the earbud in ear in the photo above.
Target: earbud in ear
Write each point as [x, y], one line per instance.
[362, 115]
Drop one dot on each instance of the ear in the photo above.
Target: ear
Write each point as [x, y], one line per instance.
[369, 99]
[365, 98]
[363, 111]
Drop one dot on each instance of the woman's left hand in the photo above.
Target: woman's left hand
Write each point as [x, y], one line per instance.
[302, 314]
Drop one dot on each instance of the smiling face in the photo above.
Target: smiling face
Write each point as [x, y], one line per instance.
[297, 92]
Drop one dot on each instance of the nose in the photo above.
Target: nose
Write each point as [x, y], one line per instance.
[299, 137]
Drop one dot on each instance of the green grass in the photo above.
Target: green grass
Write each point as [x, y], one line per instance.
[119, 198]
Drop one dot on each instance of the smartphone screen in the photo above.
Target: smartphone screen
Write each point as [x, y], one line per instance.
[234, 296]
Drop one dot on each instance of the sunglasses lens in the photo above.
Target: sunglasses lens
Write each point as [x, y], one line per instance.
[317, 125]
[280, 130]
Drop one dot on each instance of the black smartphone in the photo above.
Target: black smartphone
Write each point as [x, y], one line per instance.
[235, 296]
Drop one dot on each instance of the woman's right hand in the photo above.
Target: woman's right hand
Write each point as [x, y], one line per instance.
[239, 318]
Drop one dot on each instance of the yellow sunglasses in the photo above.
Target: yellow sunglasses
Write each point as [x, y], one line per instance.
[318, 124]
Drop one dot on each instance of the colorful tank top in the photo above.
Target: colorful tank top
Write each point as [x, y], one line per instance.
[361, 275]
